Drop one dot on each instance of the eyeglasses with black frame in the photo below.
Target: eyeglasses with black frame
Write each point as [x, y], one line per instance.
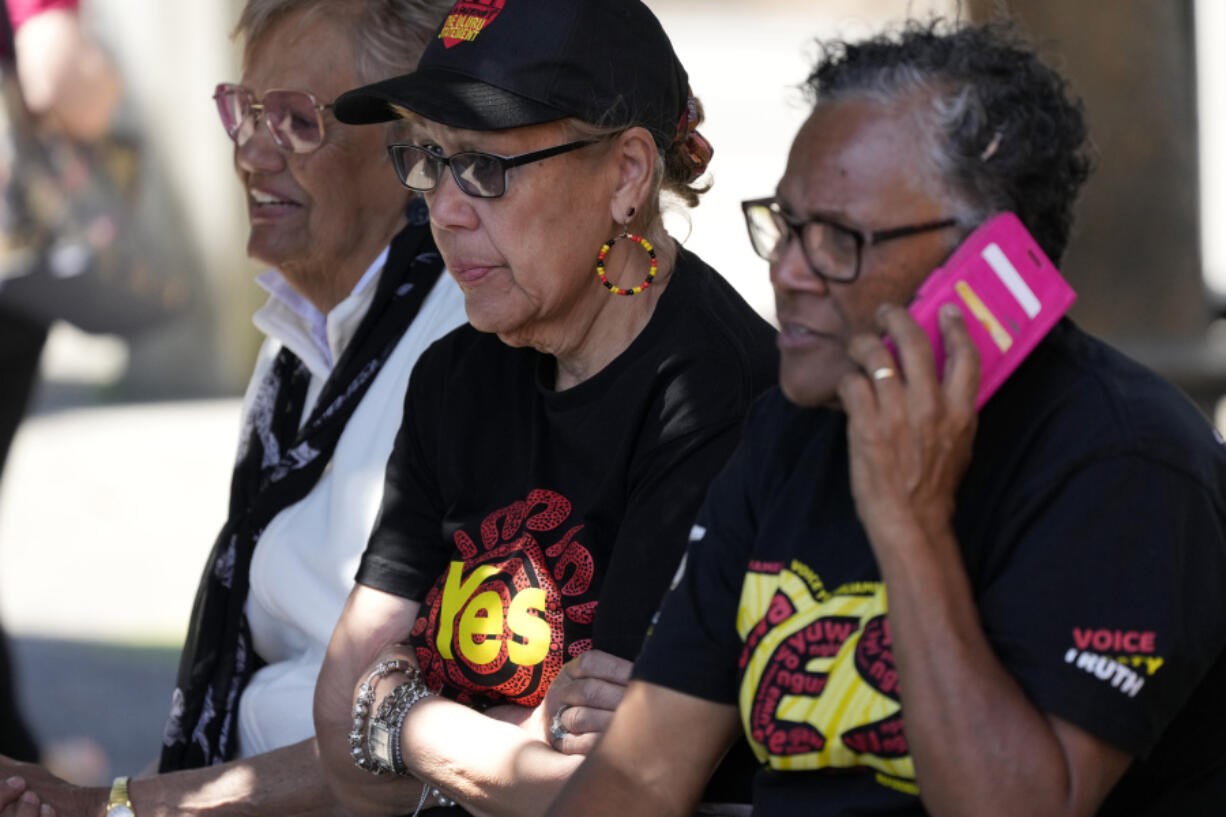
[481, 175]
[832, 250]
[294, 118]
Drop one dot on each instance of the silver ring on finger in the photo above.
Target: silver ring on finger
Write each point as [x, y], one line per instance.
[556, 730]
[883, 373]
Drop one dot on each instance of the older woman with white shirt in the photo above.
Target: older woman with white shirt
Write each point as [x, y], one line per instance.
[356, 292]
[307, 556]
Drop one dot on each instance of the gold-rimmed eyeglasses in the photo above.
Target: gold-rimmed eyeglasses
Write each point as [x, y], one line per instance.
[294, 118]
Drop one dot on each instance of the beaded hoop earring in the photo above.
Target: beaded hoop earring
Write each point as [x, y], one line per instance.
[604, 252]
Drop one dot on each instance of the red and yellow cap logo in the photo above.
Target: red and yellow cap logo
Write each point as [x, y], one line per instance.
[467, 19]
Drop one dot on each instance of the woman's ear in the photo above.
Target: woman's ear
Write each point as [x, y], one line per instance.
[634, 153]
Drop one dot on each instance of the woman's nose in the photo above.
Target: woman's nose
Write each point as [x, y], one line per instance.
[791, 271]
[260, 152]
[450, 207]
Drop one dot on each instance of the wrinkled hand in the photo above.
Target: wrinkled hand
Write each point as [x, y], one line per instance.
[582, 699]
[909, 435]
[18, 800]
[12, 792]
[56, 794]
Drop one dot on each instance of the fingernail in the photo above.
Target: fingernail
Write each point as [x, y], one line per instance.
[15, 783]
[29, 797]
[46, 810]
[951, 312]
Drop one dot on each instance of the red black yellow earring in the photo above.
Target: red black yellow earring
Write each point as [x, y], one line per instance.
[604, 251]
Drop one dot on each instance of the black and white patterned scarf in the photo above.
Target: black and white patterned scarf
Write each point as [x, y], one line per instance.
[278, 464]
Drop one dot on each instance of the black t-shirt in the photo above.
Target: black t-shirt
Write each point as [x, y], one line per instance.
[534, 524]
[1092, 523]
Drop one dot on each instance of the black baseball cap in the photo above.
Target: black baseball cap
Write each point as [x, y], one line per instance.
[498, 64]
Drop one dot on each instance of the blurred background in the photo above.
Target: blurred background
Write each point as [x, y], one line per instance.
[117, 482]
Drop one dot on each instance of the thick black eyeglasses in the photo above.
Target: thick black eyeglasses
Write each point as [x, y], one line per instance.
[482, 175]
[832, 250]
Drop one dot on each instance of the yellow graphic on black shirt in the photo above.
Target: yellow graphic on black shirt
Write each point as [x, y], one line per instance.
[819, 688]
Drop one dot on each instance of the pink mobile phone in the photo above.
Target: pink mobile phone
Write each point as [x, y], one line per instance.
[1009, 291]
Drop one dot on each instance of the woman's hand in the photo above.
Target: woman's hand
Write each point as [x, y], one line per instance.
[11, 791]
[17, 800]
[909, 434]
[579, 703]
[53, 793]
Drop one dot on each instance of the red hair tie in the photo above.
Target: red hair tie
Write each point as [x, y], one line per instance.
[697, 150]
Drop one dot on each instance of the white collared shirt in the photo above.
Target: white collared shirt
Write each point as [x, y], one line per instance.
[305, 561]
[318, 340]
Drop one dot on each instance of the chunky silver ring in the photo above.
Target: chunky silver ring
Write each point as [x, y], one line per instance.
[556, 730]
[883, 373]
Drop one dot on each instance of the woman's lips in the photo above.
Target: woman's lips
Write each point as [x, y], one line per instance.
[468, 274]
[265, 204]
[798, 337]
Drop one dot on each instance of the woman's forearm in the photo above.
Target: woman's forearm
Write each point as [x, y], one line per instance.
[493, 767]
[283, 781]
[370, 620]
[1023, 762]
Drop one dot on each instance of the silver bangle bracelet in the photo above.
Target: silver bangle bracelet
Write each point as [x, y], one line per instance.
[384, 728]
[362, 707]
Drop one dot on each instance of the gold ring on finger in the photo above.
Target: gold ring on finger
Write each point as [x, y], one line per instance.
[883, 373]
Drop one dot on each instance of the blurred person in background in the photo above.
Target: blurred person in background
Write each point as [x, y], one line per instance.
[69, 83]
[910, 607]
[554, 452]
[356, 292]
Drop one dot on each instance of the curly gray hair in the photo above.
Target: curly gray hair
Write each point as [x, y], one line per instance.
[1008, 134]
[388, 35]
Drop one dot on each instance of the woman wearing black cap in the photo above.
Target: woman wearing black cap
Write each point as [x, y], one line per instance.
[539, 500]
